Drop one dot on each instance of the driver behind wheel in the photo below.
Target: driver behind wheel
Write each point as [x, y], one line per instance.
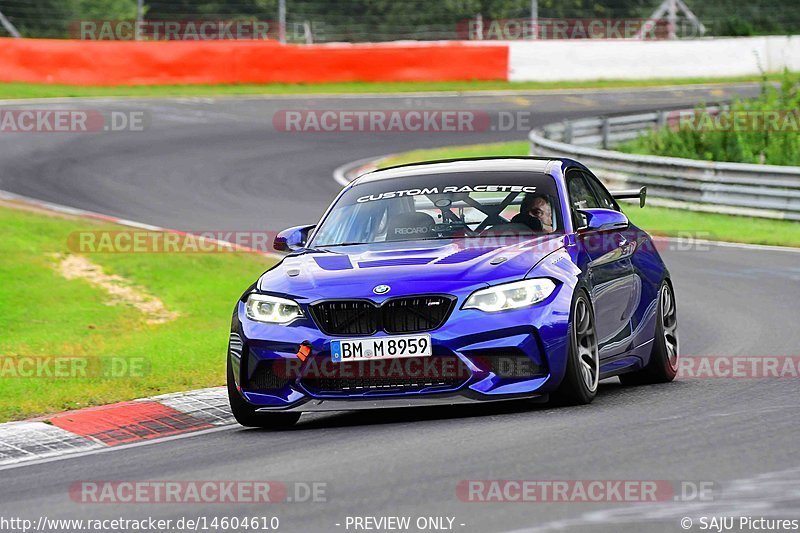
[535, 212]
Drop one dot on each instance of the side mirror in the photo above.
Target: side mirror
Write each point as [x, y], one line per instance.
[292, 239]
[604, 219]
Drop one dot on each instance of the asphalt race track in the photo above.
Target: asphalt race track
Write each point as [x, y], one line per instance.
[206, 164]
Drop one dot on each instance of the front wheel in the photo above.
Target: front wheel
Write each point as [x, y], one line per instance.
[579, 386]
[663, 364]
[246, 415]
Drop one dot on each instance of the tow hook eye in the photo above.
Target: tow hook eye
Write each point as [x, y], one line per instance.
[304, 351]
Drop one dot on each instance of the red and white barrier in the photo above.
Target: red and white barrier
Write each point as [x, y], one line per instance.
[196, 62]
[625, 59]
[262, 61]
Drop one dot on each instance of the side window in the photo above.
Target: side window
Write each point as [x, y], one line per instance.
[602, 194]
[580, 196]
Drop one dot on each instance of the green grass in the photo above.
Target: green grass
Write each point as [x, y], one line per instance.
[43, 314]
[701, 136]
[712, 226]
[657, 220]
[33, 90]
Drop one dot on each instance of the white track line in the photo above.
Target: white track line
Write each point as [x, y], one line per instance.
[381, 95]
[368, 163]
[74, 211]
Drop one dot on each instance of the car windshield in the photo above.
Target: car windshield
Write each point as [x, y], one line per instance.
[443, 206]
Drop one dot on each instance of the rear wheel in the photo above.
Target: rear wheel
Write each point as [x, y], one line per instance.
[246, 415]
[580, 382]
[663, 364]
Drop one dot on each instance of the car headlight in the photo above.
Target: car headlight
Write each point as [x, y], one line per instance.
[510, 295]
[265, 308]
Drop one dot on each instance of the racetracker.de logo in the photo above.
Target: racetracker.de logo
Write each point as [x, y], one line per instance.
[174, 30]
[741, 121]
[72, 367]
[143, 241]
[582, 491]
[381, 121]
[479, 29]
[739, 367]
[71, 121]
[202, 492]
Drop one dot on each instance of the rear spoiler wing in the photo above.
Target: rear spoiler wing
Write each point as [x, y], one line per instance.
[630, 194]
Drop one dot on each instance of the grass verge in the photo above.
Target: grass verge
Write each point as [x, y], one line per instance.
[753, 130]
[45, 315]
[34, 90]
[656, 220]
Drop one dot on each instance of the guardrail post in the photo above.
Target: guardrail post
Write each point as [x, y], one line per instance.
[567, 137]
[282, 21]
[605, 129]
[661, 119]
[139, 20]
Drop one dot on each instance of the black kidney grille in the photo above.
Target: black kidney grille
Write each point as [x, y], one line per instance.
[415, 314]
[346, 317]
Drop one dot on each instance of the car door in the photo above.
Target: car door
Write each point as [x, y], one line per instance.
[605, 256]
[632, 240]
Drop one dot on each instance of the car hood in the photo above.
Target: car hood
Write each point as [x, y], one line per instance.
[415, 267]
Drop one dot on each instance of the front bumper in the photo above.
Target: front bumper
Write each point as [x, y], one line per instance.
[537, 334]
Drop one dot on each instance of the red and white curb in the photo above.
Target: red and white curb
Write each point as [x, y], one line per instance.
[112, 425]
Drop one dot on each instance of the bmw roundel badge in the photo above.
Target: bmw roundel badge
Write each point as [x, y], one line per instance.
[381, 289]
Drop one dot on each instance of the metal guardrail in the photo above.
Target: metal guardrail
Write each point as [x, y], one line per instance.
[767, 191]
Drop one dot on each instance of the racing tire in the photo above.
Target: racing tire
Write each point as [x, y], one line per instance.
[663, 364]
[246, 415]
[579, 386]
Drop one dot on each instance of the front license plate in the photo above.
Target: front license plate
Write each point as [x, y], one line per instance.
[343, 350]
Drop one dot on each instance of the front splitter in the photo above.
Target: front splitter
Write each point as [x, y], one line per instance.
[336, 404]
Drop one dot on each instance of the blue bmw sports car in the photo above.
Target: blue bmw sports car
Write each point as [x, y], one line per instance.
[454, 282]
